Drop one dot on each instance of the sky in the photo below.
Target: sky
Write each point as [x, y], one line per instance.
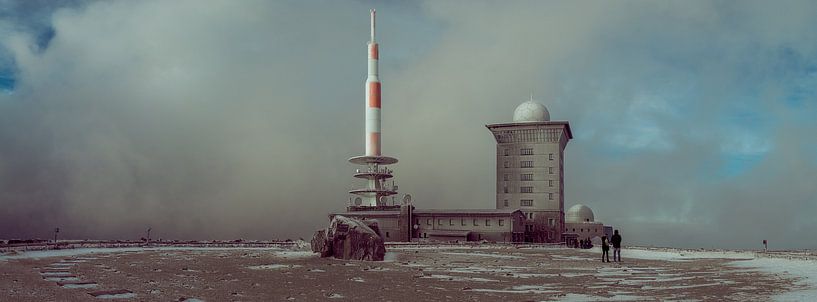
[693, 121]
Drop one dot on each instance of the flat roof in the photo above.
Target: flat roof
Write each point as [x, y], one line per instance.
[466, 211]
[504, 125]
[368, 213]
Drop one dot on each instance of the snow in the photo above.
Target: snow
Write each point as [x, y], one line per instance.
[54, 274]
[357, 279]
[85, 251]
[335, 296]
[589, 298]
[805, 270]
[80, 285]
[485, 255]
[61, 279]
[273, 266]
[521, 289]
[117, 296]
[457, 278]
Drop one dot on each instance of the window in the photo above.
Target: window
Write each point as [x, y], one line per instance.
[526, 164]
[582, 230]
[552, 222]
[550, 196]
[501, 222]
[530, 215]
[428, 221]
[550, 170]
[487, 222]
[574, 230]
[417, 221]
[550, 183]
[475, 222]
[506, 203]
[550, 156]
[526, 151]
[451, 222]
[505, 189]
[526, 202]
[462, 221]
[439, 222]
[526, 177]
[526, 189]
[507, 151]
[507, 165]
[425, 235]
[387, 234]
[506, 177]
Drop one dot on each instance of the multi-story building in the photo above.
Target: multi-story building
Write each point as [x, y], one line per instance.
[530, 169]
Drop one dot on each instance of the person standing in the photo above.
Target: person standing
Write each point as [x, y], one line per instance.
[616, 241]
[605, 250]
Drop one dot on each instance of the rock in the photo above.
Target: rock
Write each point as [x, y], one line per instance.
[320, 244]
[349, 238]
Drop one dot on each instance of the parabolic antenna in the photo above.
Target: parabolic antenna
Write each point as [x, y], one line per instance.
[358, 201]
[383, 200]
[406, 199]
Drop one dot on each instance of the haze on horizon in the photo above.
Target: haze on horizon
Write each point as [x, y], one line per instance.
[694, 121]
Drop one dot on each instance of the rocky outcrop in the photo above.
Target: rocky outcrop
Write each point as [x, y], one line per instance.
[349, 238]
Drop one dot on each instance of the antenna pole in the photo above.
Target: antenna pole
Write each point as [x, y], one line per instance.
[372, 12]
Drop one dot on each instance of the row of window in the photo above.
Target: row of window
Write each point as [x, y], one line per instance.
[582, 230]
[527, 151]
[429, 221]
[526, 164]
[524, 177]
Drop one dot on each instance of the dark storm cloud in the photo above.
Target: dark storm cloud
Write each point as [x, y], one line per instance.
[234, 119]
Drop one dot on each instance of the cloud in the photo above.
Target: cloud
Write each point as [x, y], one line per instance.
[235, 119]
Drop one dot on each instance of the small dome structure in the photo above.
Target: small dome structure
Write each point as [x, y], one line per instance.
[531, 111]
[579, 214]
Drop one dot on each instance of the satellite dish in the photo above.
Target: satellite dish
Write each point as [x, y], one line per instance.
[406, 199]
[383, 200]
[358, 201]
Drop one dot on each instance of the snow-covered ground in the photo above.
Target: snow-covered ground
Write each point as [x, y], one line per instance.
[803, 268]
[86, 251]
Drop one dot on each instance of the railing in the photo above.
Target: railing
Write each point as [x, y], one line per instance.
[378, 171]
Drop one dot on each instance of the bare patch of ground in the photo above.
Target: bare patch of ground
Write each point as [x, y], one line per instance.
[492, 273]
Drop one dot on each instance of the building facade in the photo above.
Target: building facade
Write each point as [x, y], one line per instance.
[580, 221]
[530, 169]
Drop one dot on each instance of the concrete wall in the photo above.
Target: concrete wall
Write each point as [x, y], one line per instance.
[547, 143]
[586, 230]
[482, 227]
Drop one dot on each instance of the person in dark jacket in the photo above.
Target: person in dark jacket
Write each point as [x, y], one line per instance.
[616, 241]
[605, 250]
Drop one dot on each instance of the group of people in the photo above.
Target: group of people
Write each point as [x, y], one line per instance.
[584, 244]
[615, 240]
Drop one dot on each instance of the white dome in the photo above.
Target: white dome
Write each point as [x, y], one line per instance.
[579, 214]
[531, 111]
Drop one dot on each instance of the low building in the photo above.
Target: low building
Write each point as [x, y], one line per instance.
[580, 222]
[404, 223]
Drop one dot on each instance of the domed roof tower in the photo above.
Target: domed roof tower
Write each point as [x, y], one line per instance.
[530, 169]
[531, 111]
[579, 214]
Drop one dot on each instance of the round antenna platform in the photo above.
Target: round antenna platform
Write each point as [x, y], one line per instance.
[358, 201]
[383, 160]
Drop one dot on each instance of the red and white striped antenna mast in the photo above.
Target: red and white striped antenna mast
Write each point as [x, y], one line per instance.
[374, 193]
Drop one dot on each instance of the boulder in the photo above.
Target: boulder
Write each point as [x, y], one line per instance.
[350, 238]
[320, 244]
